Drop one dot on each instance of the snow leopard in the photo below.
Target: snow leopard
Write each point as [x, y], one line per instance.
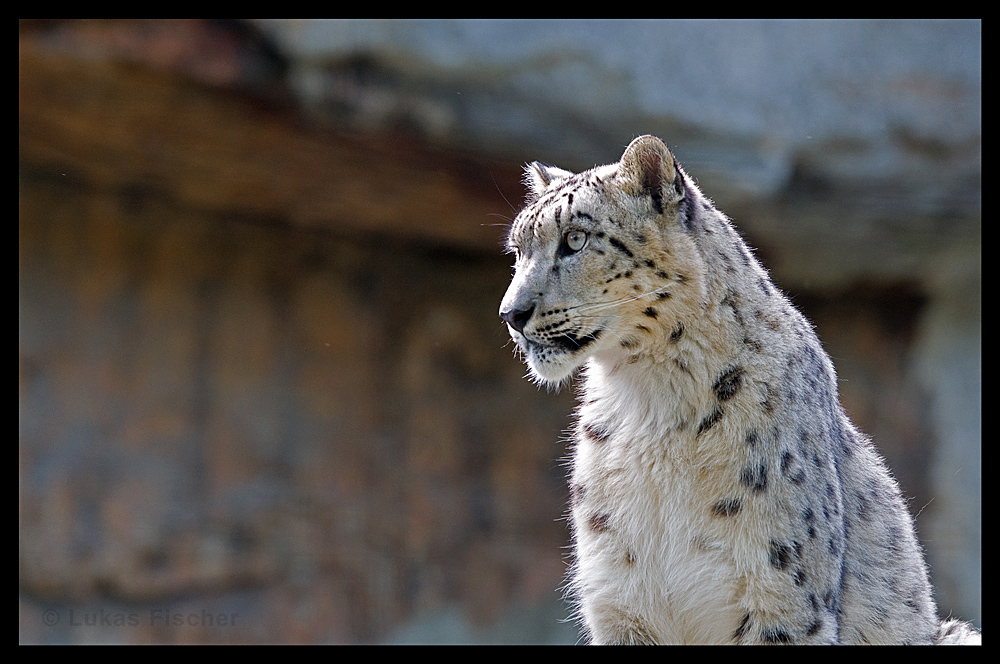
[719, 493]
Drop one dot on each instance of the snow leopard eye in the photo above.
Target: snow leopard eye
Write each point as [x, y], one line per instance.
[575, 240]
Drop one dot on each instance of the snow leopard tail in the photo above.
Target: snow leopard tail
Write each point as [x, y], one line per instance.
[957, 633]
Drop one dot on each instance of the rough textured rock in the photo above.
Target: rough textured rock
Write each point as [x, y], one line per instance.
[753, 101]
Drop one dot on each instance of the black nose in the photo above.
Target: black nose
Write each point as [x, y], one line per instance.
[517, 318]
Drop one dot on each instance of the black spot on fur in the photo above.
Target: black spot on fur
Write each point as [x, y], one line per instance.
[727, 261]
[651, 312]
[744, 255]
[775, 635]
[573, 342]
[687, 212]
[727, 507]
[709, 420]
[677, 333]
[743, 628]
[755, 478]
[786, 461]
[781, 555]
[599, 522]
[732, 300]
[728, 384]
[808, 515]
[620, 246]
[596, 433]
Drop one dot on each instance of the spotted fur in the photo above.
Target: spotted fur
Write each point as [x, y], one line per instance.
[719, 493]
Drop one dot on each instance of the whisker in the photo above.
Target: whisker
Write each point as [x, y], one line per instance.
[597, 306]
[513, 209]
[502, 216]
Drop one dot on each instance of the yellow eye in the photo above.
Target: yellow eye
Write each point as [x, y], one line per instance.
[575, 240]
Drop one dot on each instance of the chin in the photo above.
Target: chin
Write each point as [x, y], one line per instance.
[553, 373]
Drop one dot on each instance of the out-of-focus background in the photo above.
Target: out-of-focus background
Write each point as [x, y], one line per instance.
[264, 395]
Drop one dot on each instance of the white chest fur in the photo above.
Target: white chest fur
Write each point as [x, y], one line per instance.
[650, 560]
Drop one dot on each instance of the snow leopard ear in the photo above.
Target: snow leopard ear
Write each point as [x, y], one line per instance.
[647, 167]
[538, 177]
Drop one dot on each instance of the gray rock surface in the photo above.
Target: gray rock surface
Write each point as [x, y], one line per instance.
[753, 101]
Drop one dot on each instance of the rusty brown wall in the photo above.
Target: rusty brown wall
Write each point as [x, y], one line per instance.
[327, 435]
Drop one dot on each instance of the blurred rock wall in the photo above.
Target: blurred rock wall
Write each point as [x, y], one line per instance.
[263, 392]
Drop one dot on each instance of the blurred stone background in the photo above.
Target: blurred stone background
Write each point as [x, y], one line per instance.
[263, 392]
